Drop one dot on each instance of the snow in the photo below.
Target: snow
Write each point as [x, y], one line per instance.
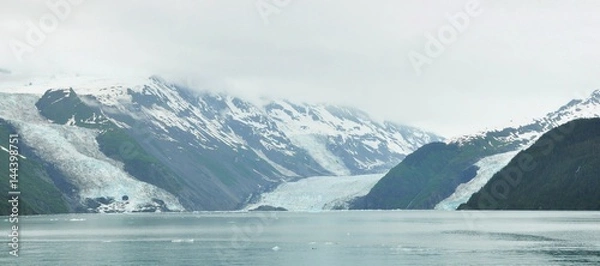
[488, 166]
[112, 96]
[317, 127]
[71, 121]
[308, 134]
[317, 149]
[576, 109]
[313, 128]
[318, 193]
[275, 165]
[372, 143]
[75, 152]
[40, 84]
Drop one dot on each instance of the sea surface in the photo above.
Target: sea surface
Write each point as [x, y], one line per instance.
[309, 238]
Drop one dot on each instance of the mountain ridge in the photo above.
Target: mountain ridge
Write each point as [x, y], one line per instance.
[560, 171]
[197, 150]
[435, 171]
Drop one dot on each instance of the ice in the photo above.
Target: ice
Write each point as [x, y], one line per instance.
[75, 152]
[318, 193]
[488, 166]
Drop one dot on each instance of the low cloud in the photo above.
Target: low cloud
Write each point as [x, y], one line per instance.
[516, 60]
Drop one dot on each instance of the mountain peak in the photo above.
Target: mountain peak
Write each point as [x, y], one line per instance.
[158, 79]
[595, 94]
[526, 133]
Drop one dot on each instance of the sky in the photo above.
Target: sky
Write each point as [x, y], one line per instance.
[451, 67]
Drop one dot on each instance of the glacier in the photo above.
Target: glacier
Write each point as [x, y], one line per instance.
[488, 166]
[283, 129]
[524, 136]
[74, 151]
[318, 193]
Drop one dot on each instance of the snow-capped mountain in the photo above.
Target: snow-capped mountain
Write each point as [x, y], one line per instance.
[193, 149]
[446, 175]
[330, 139]
[524, 135]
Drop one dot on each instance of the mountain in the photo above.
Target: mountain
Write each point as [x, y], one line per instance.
[152, 145]
[438, 172]
[560, 171]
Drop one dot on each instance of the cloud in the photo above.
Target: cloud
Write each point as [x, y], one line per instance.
[517, 60]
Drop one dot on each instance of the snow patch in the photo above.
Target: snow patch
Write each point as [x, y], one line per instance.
[71, 121]
[40, 84]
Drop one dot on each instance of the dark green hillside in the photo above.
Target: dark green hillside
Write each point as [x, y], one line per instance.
[561, 171]
[416, 183]
[431, 173]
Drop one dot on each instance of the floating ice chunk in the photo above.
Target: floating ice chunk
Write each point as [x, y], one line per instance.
[191, 240]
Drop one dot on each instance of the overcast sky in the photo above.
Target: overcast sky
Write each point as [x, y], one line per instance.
[512, 60]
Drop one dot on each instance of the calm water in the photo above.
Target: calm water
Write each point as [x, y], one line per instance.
[326, 238]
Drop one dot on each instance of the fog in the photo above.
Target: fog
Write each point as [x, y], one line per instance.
[452, 67]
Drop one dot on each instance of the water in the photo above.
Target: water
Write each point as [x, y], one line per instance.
[321, 238]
